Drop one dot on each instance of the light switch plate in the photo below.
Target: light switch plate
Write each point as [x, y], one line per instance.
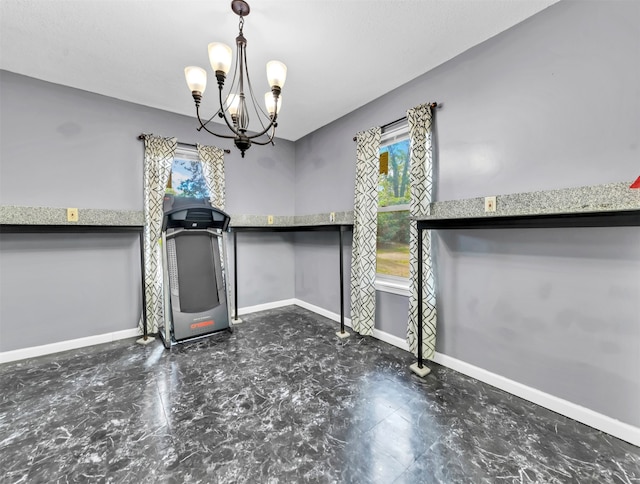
[270, 219]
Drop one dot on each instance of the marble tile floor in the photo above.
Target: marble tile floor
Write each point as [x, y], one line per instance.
[282, 400]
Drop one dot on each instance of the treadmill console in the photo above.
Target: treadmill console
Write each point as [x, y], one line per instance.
[193, 213]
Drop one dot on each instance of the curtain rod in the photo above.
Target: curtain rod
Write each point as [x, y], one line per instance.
[432, 106]
[141, 137]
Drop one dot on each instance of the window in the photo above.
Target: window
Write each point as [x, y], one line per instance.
[186, 179]
[393, 212]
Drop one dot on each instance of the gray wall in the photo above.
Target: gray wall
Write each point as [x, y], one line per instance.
[62, 147]
[551, 103]
[317, 280]
[555, 309]
[57, 287]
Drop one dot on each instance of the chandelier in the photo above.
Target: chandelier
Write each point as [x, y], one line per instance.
[236, 106]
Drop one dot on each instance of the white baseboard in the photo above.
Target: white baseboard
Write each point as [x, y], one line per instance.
[321, 311]
[33, 351]
[265, 306]
[392, 340]
[381, 335]
[621, 430]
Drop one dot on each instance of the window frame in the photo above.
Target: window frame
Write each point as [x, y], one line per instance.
[186, 153]
[384, 282]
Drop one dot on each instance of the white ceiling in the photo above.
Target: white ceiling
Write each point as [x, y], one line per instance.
[340, 54]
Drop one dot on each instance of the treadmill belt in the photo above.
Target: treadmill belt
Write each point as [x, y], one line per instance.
[198, 290]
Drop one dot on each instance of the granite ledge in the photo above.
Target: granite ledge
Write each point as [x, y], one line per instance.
[18, 215]
[612, 197]
[341, 218]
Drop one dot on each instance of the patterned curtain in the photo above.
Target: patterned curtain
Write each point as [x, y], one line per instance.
[421, 181]
[158, 159]
[365, 226]
[212, 160]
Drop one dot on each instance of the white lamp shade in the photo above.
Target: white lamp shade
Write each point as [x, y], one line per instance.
[196, 78]
[270, 103]
[220, 57]
[233, 101]
[276, 73]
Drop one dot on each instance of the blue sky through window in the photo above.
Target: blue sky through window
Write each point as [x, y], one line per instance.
[186, 177]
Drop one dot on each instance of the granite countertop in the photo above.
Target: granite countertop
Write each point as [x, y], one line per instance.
[612, 197]
[339, 218]
[17, 215]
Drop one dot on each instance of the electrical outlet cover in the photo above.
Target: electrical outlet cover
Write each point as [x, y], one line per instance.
[72, 215]
[489, 204]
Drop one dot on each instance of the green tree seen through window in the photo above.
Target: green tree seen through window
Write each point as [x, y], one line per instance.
[393, 187]
[187, 179]
[393, 225]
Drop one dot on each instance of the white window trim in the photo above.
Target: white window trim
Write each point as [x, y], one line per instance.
[394, 208]
[186, 153]
[393, 285]
[393, 135]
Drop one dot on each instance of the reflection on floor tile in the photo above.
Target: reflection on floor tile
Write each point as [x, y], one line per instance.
[282, 400]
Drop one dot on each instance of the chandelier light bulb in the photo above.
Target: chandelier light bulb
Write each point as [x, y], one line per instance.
[233, 101]
[270, 103]
[196, 78]
[276, 73]
[236, 107]
[220, 57]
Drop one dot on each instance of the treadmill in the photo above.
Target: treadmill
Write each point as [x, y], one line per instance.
[194, 261]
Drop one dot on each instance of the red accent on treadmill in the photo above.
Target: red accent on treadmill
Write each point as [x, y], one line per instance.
[202, 324]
